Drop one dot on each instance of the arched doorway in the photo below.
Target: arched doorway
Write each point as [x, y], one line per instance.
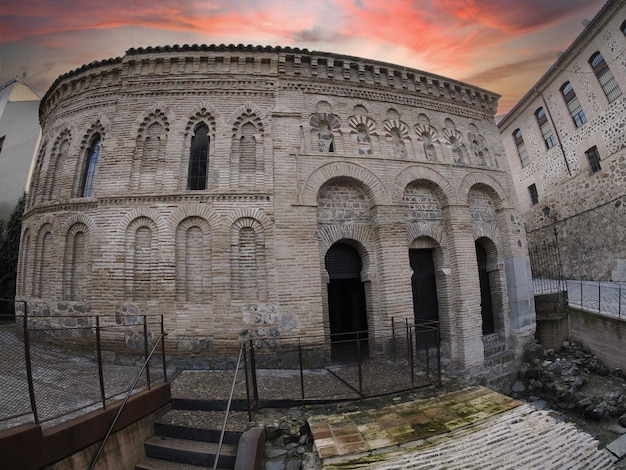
[346, 296]
[424, 287]
[486, 304]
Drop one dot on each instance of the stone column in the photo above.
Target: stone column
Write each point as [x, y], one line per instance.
[467, 346]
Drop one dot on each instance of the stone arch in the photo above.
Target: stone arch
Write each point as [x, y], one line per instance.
[141, 256]
[193, 259]
[74, 219]
[76, 277]
[486, 183]
[37, 177]
[96, 127]
[441, 187]
[492, 280]
[193, 210]
[58, 156]
[427, 135]
[369, 182]
[343, 201]
[24, 268]
[204, 114]
[397, 133]
[248, 260]
[44, 273]
[247, 156]
[325, 131]
[142, 213]
[363, 130]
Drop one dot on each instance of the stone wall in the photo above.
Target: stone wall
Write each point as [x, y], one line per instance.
[588, 205]
[305, 150]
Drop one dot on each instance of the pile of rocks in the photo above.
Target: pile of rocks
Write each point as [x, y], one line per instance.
[572, 379]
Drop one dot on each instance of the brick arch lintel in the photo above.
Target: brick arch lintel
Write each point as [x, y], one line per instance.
[442, 188]
[369, 182]
[493, 188]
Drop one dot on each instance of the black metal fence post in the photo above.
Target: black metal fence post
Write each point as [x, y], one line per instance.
[163, 350]
[411, 358]
[301, 369]
[619, 302]
[358, 353]
[145, 348]
[255, 388]
[100, 365]
[599, 297]
[29, 366]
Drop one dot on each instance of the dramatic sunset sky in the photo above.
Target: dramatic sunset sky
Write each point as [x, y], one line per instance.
[501, 45]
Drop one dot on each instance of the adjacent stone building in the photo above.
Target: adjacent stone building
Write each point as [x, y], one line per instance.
[274, 192]
[566, 145]
[19, 140]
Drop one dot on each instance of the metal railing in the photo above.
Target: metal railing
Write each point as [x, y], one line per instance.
[343, 367]
[57, 367]
[160, 341]
[603, 297]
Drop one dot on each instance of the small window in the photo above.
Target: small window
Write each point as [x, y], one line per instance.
[623, 28]
[89, 171]
[534, 196]
[198, 159]
[594, 159]
[546, 129]
[521, 147]
[604, 76]
[574, 107]
[2, 142]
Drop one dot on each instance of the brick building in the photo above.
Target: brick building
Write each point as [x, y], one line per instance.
[566, 145]
[274, 192]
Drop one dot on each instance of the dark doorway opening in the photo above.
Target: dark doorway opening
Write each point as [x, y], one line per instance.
[486, 307]
[346, 300]
[425, 304]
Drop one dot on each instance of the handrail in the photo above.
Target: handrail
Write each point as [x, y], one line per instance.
[119, 411]
[230, 400]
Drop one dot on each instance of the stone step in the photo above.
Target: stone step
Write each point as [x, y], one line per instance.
[201, 425]
[156, 464]
[186, 451]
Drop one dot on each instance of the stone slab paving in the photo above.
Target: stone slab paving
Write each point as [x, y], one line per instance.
[475, 428]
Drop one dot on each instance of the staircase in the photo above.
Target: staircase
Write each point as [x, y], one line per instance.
[187, 439]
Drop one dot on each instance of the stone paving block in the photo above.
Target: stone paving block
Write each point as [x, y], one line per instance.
[618, 447]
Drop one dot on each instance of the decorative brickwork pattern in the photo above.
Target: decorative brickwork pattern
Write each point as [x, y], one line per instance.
[302, 150]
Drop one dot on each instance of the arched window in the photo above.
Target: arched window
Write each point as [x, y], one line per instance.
[89, 171]
[574, 107]
[546, 129]
[199, 159]
[521, 147]
[623, 28]
[604, 76]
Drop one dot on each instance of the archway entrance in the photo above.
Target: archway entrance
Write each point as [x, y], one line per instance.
[486, 306]
[424, 286]
[346, 298]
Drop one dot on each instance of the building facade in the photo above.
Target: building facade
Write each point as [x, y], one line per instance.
[19, 140]
[566, 145]
[273, 192]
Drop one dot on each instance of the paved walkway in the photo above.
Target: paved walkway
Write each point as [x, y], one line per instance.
[475, 428]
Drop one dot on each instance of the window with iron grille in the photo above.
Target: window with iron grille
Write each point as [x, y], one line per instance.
[594, 159]
[574, 107]
[534, 195]
[546, 129]
[604, 76]
[199, 159]
[89, 171]
[521, 147]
